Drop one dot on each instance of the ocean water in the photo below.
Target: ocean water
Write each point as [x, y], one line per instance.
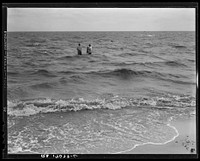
[121, 96]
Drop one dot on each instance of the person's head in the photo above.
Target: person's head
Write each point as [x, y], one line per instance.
[79, 44]
[89, 44]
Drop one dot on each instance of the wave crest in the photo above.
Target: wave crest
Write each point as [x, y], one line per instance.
[43, 72]
[32, 107]
[174, 64]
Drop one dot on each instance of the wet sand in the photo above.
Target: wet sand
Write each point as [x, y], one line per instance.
[184, 143]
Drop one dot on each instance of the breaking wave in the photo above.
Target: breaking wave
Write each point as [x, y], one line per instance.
[32, 107]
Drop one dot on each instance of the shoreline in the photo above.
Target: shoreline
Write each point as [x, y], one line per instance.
[183, 143]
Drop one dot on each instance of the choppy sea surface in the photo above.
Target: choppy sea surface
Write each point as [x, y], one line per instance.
[121, 96]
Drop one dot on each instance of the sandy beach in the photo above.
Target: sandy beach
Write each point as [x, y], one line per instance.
[184, 143]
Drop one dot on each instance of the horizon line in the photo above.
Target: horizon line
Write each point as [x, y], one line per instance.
[114, 31]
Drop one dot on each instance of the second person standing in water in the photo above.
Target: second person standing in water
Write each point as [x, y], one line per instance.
[89, 49]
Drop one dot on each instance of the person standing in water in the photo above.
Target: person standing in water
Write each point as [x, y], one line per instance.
[89, 49]
[79, 49]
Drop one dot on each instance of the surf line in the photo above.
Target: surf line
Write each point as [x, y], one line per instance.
[177, 134]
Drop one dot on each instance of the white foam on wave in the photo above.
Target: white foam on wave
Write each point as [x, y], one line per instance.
[27, 110]
[45, 106]
[32, 107]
